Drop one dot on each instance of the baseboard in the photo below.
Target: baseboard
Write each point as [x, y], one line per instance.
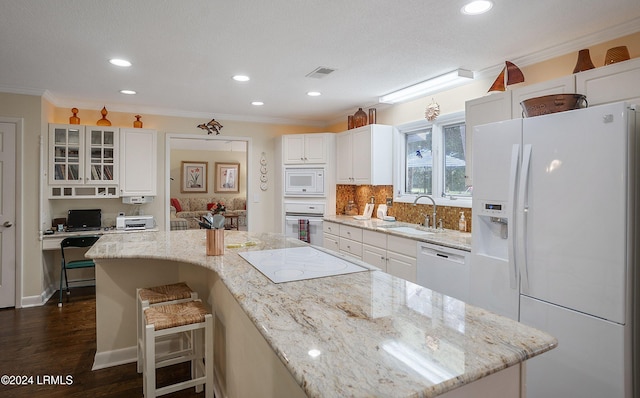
[108, 359]
[35, 301]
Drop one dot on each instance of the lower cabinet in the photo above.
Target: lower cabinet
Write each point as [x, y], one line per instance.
[390, 253]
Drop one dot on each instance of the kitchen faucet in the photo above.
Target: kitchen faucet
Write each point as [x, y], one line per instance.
[433, 219]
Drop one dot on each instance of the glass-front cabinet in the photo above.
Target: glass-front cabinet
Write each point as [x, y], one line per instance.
[83, 161]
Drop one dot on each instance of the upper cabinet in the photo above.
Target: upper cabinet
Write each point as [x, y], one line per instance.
[611, 83]
[138, 162]
[364, 156]
[304, 149]
[83, 161]
[101, 162]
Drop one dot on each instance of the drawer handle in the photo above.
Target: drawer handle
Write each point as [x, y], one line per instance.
[442, 255]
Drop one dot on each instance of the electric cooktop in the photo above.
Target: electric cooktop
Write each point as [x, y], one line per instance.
[298, 263]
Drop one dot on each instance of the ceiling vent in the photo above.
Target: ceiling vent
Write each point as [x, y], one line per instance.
[320, 72]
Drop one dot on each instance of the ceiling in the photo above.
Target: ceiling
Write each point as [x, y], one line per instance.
[184, 53]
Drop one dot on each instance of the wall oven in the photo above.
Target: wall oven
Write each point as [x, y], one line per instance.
[294, 212]
[304, 182]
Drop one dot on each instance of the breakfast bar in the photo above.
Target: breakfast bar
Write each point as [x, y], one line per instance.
[359, 334]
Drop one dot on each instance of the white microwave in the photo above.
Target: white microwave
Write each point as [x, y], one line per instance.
[303, 181]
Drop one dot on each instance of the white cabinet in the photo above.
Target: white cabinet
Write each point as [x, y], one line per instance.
[331, 235]
[488, 109]
[364, 156]
[392, 254]
[611, 83]
[138, 162]
[351, 241]
[563, 85]
[83, 161]
[304, 148]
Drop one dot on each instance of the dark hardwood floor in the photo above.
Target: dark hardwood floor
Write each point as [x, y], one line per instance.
[50, 343]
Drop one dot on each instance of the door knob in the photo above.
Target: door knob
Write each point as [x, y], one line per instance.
[7, 224]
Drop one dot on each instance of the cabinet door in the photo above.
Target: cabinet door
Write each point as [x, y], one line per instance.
[315, 148]
[375, 256]
[401, 266]
[344, 161]
[611, 83]
[361, 145]
[138, 162]
[331, 242]
[492, 108]
[293, 149]
[66, 154]
[101, 146]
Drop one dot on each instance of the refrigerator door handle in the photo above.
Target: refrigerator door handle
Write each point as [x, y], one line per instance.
[523, 208]
[513, 175]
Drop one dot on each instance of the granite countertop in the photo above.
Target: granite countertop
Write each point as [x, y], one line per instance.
[444, 237]
[377, 335]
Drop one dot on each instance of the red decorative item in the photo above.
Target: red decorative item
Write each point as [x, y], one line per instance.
[360, 118]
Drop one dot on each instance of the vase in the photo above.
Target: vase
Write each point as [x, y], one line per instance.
[74, 119]
[137, 123]
[359, 118]
[349, 122]
[372, 115]
[584, 61]
[104, 121]
[616, 54]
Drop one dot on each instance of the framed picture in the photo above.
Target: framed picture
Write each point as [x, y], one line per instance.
[227, 177]
[194, 177]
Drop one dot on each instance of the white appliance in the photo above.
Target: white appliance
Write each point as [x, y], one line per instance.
[304, 182]
[135, 222]
[298, 263]
[443, 269]
[314, 212]
[555, 232]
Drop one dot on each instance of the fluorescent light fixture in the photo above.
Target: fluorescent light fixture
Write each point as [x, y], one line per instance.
[128, 92]
[257, 103]
[241, 78]
[477, 7]
[314, 93]
[439, 83]
[120, 62]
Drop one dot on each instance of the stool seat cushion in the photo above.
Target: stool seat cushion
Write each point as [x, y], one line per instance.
[174, 315]
[158, 294]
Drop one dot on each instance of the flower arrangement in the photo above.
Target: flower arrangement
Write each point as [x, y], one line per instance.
[216, 207]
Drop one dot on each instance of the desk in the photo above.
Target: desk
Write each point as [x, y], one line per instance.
[52, 242]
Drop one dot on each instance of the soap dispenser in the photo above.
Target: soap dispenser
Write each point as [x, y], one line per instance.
[462, 224]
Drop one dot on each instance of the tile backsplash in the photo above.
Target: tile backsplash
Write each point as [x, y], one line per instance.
[407, 212]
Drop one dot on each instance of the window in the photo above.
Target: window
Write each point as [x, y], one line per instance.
[433, 156]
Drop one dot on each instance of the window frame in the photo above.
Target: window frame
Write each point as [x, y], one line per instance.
[437, 143]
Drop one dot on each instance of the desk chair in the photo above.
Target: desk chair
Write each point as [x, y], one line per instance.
[74, 241]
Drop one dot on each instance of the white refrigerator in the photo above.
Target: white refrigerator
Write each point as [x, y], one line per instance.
[555, 243]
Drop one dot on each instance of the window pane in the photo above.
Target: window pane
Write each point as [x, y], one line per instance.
[454, 160]
[419, 163]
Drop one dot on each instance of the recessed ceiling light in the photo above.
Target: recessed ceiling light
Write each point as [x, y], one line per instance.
[241, 78]
[477, 7]
[120, 62]
[128, 92]
[314, 93]
[257, 103]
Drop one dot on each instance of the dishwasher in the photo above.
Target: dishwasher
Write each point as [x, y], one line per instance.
[444, 270]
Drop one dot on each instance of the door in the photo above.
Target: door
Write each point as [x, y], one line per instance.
[7, 214]
[493, 279]
[576, 210]
[589, 360]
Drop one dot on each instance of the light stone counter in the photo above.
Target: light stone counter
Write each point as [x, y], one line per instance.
[445, 237]
[373, 334]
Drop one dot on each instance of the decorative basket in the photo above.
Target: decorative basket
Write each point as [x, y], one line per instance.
[552, 103]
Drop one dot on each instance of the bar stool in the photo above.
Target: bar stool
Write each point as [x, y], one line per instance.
[163, 320]
[158, 295]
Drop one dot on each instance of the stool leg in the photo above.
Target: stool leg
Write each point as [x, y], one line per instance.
[149, 367]
[197, 338]
[208, 355]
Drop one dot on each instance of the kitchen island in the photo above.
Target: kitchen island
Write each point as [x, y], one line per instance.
[361, 334]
